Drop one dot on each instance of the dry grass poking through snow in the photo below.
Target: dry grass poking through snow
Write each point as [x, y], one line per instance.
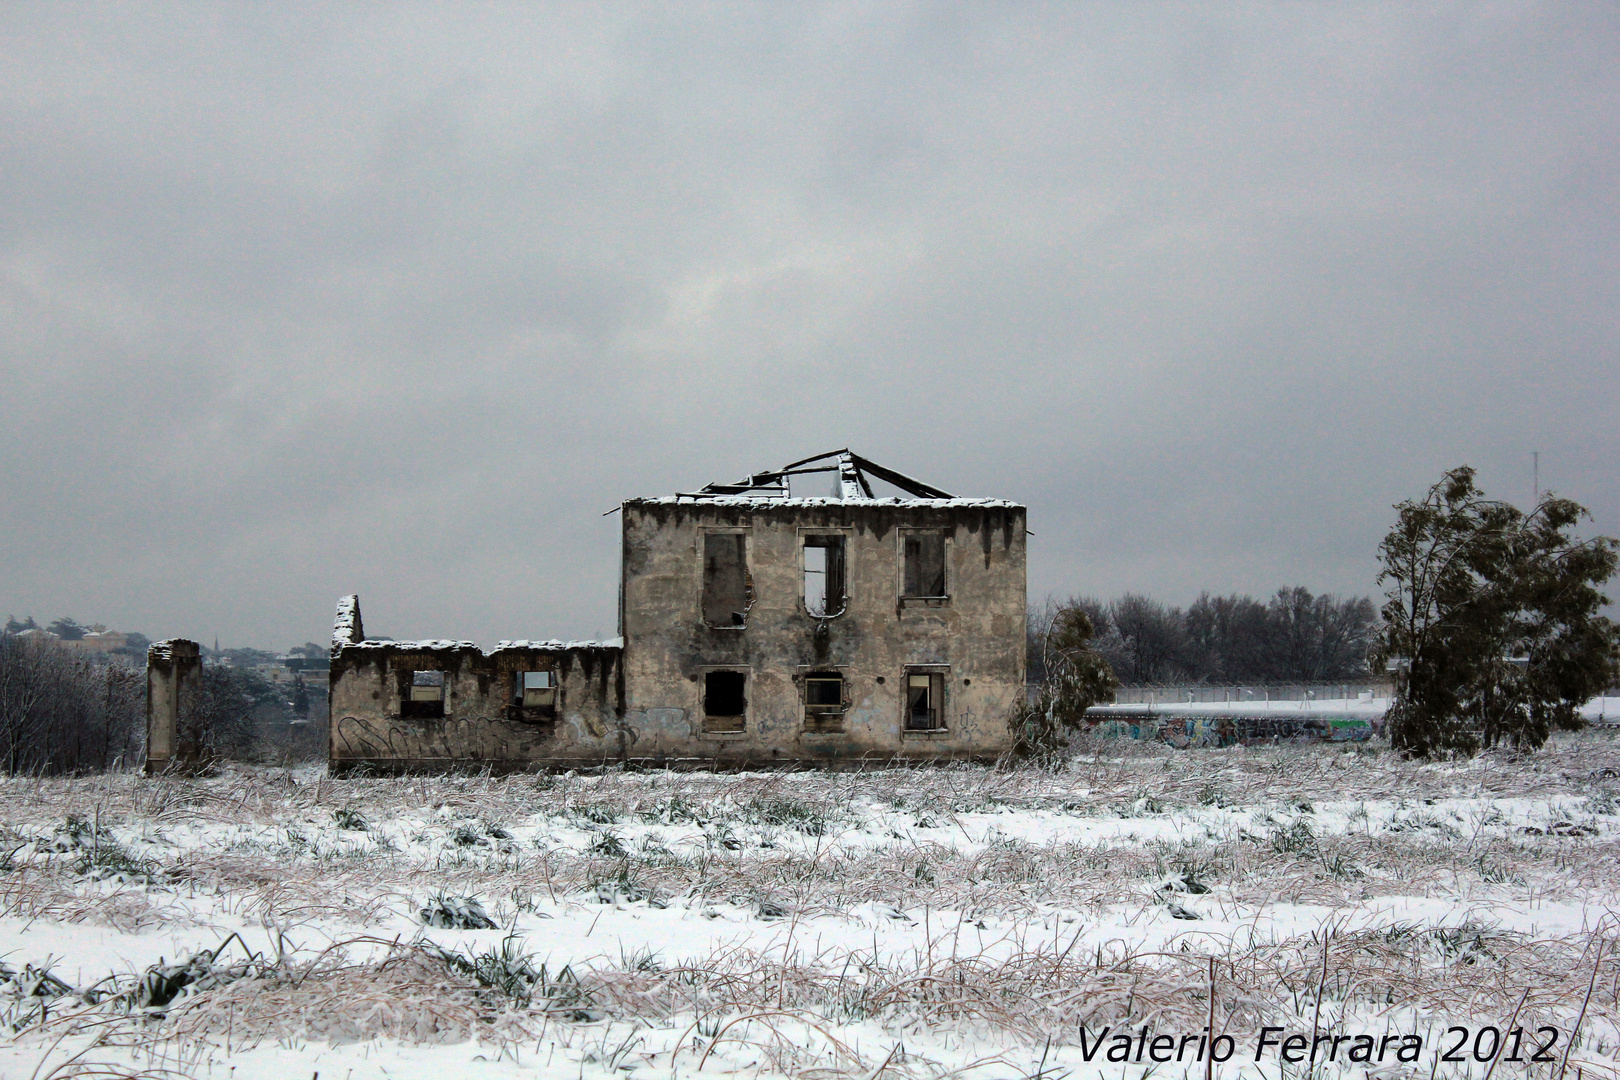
[916, 922]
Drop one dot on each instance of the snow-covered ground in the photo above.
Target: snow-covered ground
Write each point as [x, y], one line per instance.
[1598, 710]
[905, 923]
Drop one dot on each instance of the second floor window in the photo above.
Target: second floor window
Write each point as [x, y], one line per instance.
[824, 575]
[925, 564]
[725, 580]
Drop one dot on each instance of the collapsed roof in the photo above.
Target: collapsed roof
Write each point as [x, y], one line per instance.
[853, 483]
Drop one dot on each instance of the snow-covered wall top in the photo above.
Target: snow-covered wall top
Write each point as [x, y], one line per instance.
[561, 646]
[163, 651]
[411, 646]
[446, 644]
[348, 633]
[346, 626]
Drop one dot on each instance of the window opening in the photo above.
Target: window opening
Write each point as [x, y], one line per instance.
[537, 689]
[824, 699]
[925, 564]
[824, 575]
[725, 704]
[725, 580]
[924, 696]
[425, 695]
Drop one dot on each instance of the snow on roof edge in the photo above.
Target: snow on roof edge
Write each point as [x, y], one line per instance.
[432, 644]
[766, 501]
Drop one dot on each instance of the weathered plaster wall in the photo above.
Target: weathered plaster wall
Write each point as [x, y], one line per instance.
[173, 671]
[976, 636]
[481, 725]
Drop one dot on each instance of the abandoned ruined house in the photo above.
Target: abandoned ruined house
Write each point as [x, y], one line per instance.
[757, 626]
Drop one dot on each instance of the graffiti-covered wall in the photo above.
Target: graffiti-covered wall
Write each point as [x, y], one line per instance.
[432, 705]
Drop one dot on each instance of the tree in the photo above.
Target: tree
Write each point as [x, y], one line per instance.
[59, 712]
[135, 646]
[68, 629]
[311, 651]
[1491, 619]
[1319, 638]
[221, 719]
[1073, 677]
[247, 657]
[1146, 640]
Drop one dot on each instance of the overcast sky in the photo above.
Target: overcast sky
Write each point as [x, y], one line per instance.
[297, 301]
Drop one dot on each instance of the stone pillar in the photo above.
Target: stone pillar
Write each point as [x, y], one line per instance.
[173, 672]
[347, 629]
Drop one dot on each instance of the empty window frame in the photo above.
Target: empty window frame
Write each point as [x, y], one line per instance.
[536, 689]
[824, 582]
[824, 701]
[726, 592]
[925, 564]
[725, 701]
[925, 701]
[423, 695]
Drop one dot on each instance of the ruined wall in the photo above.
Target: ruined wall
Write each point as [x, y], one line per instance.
[173, 672]
[973, 639]
[483, 721]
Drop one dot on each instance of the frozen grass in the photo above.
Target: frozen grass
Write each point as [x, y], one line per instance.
[910, 922]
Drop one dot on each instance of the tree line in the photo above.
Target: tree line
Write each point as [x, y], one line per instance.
[63, 712]
[1292, 637]
[60, 712]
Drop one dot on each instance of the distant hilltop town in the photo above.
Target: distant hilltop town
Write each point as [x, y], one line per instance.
[95, 638]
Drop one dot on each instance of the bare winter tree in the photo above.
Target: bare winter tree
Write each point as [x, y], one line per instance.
[1296, 637]
[220, 720]
[61, 713]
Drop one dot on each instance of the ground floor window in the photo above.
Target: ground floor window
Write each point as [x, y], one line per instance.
[925, 701]
[824, 701]
[725, 701]
[537, 690]
[424, 695]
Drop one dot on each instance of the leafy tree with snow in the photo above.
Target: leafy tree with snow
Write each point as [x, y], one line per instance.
[1491, 619]
[68, 629]
[1073, 677]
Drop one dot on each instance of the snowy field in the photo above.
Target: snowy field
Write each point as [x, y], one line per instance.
[918, 923]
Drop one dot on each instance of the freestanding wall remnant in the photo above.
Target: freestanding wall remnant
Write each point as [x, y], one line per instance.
[173, 672]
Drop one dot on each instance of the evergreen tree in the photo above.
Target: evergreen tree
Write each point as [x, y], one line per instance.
[1491, 619]
[1072, 678]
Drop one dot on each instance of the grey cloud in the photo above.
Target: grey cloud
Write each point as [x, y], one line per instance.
[295, 302]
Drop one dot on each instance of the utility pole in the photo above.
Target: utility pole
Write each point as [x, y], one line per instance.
[1535, 473]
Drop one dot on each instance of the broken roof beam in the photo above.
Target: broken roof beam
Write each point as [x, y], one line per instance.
[851, 484]
[900, 480]
[818, 457]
